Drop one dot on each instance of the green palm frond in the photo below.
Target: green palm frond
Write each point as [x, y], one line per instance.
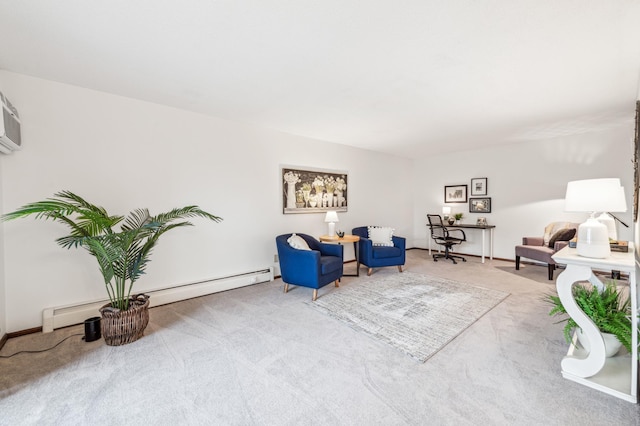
[609, 310]
[122, 255]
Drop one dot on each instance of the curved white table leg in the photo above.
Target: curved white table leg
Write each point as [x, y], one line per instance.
[595, 360]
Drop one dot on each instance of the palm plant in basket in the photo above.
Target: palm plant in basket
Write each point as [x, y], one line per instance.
[122, 254]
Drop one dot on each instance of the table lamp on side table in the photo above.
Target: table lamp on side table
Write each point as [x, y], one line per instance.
[331, 218]
[592, 196]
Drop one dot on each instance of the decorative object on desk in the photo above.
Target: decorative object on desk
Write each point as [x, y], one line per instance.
[594, 195]
[446, 212]
[401, 310]
[451, 220]
[480, 205]
[455, 194]
[609, 310]
[482, 221]
[320, 189]
[340, 234]
[458, 217]
[122, 255]
[479, 186]
[331, 218]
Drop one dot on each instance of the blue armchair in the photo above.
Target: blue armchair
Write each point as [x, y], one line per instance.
[378, 256]
[313, 268]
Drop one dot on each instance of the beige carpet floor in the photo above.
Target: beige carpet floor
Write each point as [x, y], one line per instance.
[257, 356]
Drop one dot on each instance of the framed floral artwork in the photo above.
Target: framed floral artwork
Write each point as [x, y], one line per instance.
[455, 194]
[313, 190]
[478, 186]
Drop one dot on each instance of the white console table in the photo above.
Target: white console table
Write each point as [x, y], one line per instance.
[618, 375]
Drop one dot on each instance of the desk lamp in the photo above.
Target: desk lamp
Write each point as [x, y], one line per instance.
[446, 211]
[594, 195]
[331, 218]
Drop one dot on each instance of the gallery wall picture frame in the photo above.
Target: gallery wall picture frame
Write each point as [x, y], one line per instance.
[455, 194]
[480, 205]
[478, 186]
[310, 190]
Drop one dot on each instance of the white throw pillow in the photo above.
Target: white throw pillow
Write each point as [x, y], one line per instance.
[297, 242]
[381, 235]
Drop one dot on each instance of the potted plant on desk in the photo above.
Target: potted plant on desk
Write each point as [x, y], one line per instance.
[458, 217]
[122, 255]
[609, 309]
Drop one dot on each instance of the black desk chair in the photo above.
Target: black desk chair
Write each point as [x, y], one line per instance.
[445, 237]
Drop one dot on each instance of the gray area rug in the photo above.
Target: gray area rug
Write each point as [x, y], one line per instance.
[415, 313]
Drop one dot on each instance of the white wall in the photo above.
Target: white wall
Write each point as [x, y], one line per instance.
[526, 183]
[124, 154]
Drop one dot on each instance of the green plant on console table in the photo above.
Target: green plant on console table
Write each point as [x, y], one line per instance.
[122, 254]
[458, 216]
[610, 310]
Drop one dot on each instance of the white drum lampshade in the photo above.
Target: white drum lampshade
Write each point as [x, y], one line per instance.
[592, 196]
[331, 218]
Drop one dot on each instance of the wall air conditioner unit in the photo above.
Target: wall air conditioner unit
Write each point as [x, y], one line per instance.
[10, 137]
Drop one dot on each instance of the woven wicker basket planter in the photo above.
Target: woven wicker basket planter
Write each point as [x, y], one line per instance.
[122, 327]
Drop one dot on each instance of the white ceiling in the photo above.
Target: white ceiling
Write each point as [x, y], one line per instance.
[408, 77]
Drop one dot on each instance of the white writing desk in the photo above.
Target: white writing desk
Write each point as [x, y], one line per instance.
[483, 228]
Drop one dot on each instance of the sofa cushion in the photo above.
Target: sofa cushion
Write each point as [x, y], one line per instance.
[329, 264]
[539, 253]
[386, 252]
[562, 235]
[381, 235]
[297, 242]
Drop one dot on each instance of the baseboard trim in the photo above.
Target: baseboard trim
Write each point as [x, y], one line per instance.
[466, 254]
[3, 340]
[24, 332]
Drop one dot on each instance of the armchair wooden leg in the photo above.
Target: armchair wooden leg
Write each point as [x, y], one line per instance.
[337, 283]
[315, 294]
[286, 287]
[551, 268]
[369, 272]
[517, 263]
[399, 268]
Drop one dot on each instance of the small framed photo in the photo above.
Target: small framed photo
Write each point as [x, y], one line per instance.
[482, 221]
[478, 186]
[480, 205]
[455, 194]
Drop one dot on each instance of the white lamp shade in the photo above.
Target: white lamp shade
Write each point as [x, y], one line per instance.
[446, 211]
[595, 195]
[331, 216]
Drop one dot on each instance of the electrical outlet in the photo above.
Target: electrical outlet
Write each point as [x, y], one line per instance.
[276, 259]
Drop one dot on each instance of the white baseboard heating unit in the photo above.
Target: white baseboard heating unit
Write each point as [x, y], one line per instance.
[64, 316]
